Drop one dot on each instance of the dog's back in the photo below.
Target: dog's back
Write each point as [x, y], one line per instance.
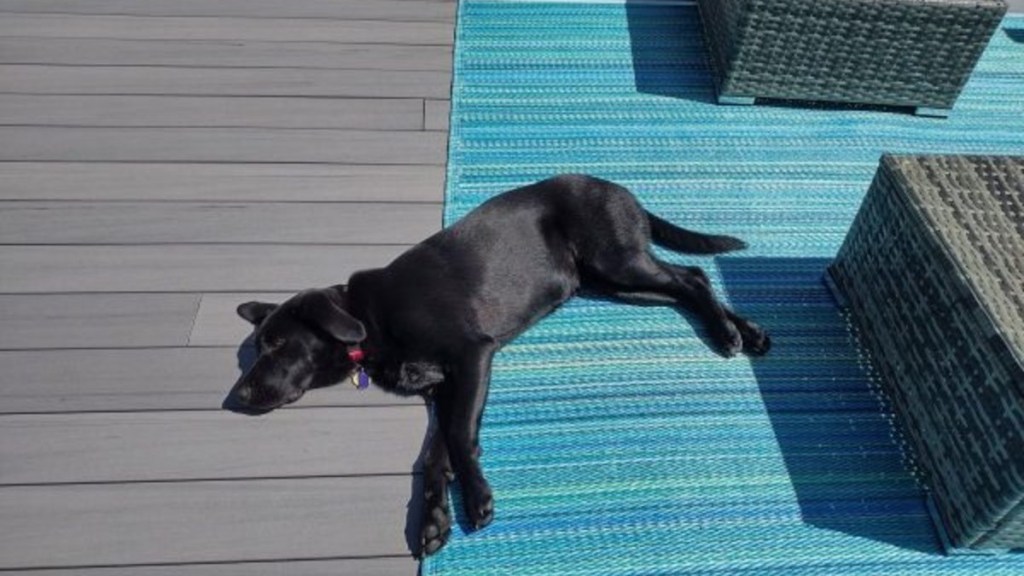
[521, 254]
[584, 214]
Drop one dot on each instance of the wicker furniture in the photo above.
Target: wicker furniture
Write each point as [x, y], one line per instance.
[932, 272]
[916, 53]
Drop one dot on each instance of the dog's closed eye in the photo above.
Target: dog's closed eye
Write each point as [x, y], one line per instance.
[271, 343]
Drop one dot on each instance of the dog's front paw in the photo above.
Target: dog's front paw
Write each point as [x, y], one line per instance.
[437, 526]
[478, 502]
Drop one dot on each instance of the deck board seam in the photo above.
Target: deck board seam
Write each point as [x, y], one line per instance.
[228, 40]
[210, 480]
[45, 64]
[226, 127]
[203, 563]
[215, 162]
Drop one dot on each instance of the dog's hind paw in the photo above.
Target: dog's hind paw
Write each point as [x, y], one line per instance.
[756, 341]
[729, 339]
[758, 346]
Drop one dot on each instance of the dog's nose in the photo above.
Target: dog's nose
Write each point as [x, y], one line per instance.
[244, 394]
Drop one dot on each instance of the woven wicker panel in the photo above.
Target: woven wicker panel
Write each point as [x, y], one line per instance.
[933, 271]
[888, 52]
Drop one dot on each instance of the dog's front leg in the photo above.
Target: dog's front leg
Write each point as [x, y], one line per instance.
[437, 473]
[460, 404]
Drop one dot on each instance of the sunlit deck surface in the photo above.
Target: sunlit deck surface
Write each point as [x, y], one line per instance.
[162, 161]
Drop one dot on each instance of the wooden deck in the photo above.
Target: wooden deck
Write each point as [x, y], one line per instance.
[162, 161]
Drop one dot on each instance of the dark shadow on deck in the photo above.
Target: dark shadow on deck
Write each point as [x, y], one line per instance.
[246, 356]
[838, 446]
[669, 57]
[1015, 34]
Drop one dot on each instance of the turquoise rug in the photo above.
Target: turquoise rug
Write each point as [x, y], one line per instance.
[616, 442]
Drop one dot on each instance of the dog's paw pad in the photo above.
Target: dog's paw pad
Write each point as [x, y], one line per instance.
[479, 505]
[436, 530]
[756, 341]
[730, 340]
[484, 513]
[760, 345]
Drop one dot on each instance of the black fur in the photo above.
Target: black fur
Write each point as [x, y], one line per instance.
[431, 321]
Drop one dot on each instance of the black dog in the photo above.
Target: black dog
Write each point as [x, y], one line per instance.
[430, 322]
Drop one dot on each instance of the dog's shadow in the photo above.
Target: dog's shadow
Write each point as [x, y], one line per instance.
[246, 356]
[414, 508]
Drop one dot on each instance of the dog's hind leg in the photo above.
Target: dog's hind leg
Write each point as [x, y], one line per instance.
[755, 340]
[639, 277]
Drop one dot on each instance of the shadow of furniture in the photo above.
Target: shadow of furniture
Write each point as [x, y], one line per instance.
[908, 53]
[847, 473]
[932, 272]
[668, 55]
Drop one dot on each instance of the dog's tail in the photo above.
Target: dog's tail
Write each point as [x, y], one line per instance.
[682, 240]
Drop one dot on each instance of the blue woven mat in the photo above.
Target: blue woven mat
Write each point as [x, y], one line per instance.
[616, 442]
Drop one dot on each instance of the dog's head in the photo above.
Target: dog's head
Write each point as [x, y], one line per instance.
[301, 344]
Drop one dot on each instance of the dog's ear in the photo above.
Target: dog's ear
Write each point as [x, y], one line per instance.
[256, 312]
[324, 309]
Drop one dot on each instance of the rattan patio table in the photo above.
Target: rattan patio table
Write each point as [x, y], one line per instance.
[909, 53]
[932, 273]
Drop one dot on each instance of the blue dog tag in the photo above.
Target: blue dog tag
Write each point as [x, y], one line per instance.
[360, 379]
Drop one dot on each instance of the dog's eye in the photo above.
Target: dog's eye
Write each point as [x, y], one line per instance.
[272, 342]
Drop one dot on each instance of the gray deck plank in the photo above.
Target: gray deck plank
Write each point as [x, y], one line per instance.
[195, 223]
[342, 567]
[221, 145]
[146, 523]
[96, 320]
[223, 54]
[214, 28]
[218, 324]
[402, 10]
[221, 182]
[121, 80]
[127, 447]
[436, 113]
[211, 112]
[183, 268]
[55, 381]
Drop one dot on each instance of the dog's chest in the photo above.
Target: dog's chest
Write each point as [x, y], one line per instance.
[406, 377]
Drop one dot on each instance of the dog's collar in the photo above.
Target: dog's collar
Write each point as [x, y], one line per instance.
[360, 379]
